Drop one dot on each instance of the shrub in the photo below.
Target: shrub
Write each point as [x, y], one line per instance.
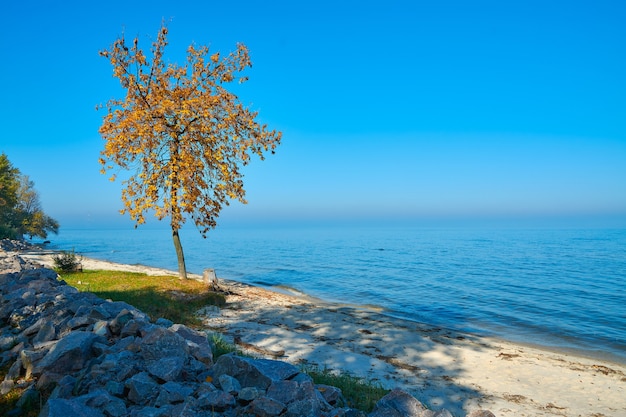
[67, 261]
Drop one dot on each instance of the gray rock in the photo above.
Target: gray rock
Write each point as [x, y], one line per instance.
[216, 401]
[103, 400]
[101, 328]
[229, 384]
[115, 388]
[167, 369]
[290, 391]
[117, 324]
[248, 394]
[64, 388]
[266, 407]
[164, 322]
[304, 408]
[332, 395]
[141, 388]
[46, 333]
[398, 403]
[69, 354]
[60, 407]
[29, 358]
[160, 343]
[259, 373]
[173, 393]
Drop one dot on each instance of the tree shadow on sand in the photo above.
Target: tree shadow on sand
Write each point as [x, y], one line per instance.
[425, 361]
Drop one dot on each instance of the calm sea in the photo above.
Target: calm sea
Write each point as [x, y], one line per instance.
[562, 288]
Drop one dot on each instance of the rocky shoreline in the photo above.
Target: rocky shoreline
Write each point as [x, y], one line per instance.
[92, 357]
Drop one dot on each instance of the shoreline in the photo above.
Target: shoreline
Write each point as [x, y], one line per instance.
[441, 367]
[44, 255]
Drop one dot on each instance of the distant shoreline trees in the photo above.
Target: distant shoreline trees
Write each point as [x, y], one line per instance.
[181, 132]
[21, 213]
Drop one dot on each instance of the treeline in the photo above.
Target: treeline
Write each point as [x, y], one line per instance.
[20, 210]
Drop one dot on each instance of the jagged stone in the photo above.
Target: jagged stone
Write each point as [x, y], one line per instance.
[398, 403]
[167, 369]
[248, 394]
[259, 373]
[289, 391]
[101, 399]
[229, 384]
[47, 333]
[266, 407]
[163, 322]
[117, 324]
[216, 400]
[304, 408]
[141, 388]
[173, 392]
[160, 343]
[60, 407]
[332, 395]
[29, 358]
[69, 354]
[64, 388]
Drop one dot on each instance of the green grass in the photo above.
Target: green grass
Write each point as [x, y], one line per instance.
[157, 296]
[358, 392]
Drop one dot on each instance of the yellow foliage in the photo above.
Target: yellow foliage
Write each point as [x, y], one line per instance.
[180, 131]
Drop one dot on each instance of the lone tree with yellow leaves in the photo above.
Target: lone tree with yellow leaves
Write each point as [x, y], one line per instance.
[179, 131]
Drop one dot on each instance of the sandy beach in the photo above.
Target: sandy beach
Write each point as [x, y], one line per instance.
[442, 368]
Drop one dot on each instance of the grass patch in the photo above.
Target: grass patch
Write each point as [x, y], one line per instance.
[358, 392]
[9, 401]
[157, 296]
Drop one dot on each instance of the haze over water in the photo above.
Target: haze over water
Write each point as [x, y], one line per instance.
[555, 287]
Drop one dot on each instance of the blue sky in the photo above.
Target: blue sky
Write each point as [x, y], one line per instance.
[395, 109]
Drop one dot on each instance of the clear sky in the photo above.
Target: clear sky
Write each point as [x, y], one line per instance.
[389, 109]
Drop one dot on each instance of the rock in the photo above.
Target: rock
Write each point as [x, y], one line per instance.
[266, 407]
[160, 343]
[164, 322]
[216, 401]
[122, 318]
[248, 394]
[398, 403]
[229, 384]
[141, 388]
[173, 392]
[259, 373]
[332, 395]
[59, 407]
[46, 333]
[69, 354]
[167, 369]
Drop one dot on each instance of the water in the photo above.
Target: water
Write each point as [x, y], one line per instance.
[562, 288]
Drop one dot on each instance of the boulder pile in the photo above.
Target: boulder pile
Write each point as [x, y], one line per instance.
[75, 354]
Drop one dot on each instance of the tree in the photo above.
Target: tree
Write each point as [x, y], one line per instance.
[182, 133]
[34, 222]
[20, 208]
[9, 184]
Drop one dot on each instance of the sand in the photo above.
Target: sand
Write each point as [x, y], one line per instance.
[442, 368]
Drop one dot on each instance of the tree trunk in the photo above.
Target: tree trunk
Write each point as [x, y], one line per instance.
[182, 270]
